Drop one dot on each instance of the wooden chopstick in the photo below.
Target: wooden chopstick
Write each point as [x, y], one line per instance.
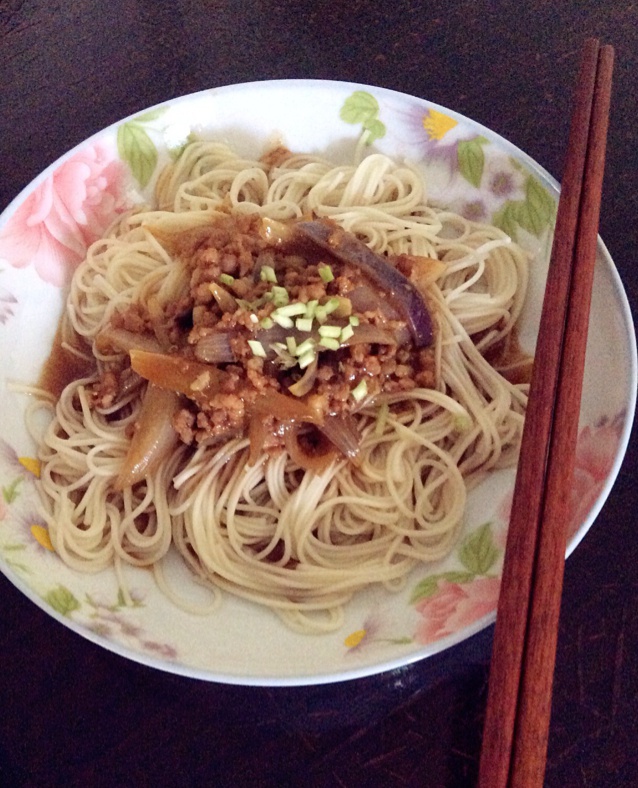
[521, 674]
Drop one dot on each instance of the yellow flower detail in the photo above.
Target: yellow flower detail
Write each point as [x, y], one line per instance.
[41, 536]
[437, 124]
[354, 638]
[31, 464]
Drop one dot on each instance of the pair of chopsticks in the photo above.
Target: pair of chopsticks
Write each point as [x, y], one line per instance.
[515, 736]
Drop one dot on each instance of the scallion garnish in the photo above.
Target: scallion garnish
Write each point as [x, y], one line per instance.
[329, 343]
[330, 331]
[280, 296]
[267, 274]
[304, 324]
[306, 346]
[331, 304]
[307, 358]
[359, 391]
[226, 279]
[311, 307]
[257, 348]
[346, 333]
[282, 320]
[325, 272]
[291, 310]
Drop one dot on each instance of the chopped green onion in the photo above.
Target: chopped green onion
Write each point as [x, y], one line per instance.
[267, 274]
[266, 322]
[331, 305]
[329, 343]
[360, 390]
[305, 346]
[311, 307]
[345, 307]
[226, 279]
[330, 331]
[325, 272]
[291, 343]
[354, 320]
[291, 310]
[304, 324]
[282, 320]
[321, 315]
[307, 358]
[346, 333]
[257, 348]
[280, 296]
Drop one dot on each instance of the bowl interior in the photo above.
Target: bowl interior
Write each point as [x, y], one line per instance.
[468, 169]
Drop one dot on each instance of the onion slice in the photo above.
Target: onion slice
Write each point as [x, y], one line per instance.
[154, 436]
[225, 300]
[342, 432]
[307, 380]
[123, 340]
[287, 409]
[176, 373]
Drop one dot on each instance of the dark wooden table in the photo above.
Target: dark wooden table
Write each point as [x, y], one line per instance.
[74, 714]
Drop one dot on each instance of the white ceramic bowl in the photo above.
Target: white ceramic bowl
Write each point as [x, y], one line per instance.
[43, 235]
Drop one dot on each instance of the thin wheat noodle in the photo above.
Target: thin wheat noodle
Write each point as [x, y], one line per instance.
[298, 542]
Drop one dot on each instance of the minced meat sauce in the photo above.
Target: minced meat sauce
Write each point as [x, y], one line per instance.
[278, 317]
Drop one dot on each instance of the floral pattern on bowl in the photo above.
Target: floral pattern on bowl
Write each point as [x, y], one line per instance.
[45, 233]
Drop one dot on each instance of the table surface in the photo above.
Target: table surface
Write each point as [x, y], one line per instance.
[74, 714]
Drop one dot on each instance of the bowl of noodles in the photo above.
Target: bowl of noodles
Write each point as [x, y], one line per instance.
[265, 361]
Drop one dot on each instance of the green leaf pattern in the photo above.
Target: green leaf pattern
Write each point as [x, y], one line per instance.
[471, 159]
[478, 554]
[362, 108]
[136, 148]
[534, 214]
[62, 600]
[10, 492]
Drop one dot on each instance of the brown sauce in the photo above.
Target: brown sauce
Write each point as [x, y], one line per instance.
[62, 366]
[508, 358]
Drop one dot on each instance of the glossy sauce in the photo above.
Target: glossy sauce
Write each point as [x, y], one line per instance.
[508, 358]
[62, 366]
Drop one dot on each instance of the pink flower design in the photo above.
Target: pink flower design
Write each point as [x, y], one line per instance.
[73, 207]
[454, 606]
[595, 453]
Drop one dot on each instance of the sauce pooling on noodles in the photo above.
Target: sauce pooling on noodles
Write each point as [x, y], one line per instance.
[290, 378]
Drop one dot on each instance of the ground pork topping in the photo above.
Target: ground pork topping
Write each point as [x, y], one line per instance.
[267, 322]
